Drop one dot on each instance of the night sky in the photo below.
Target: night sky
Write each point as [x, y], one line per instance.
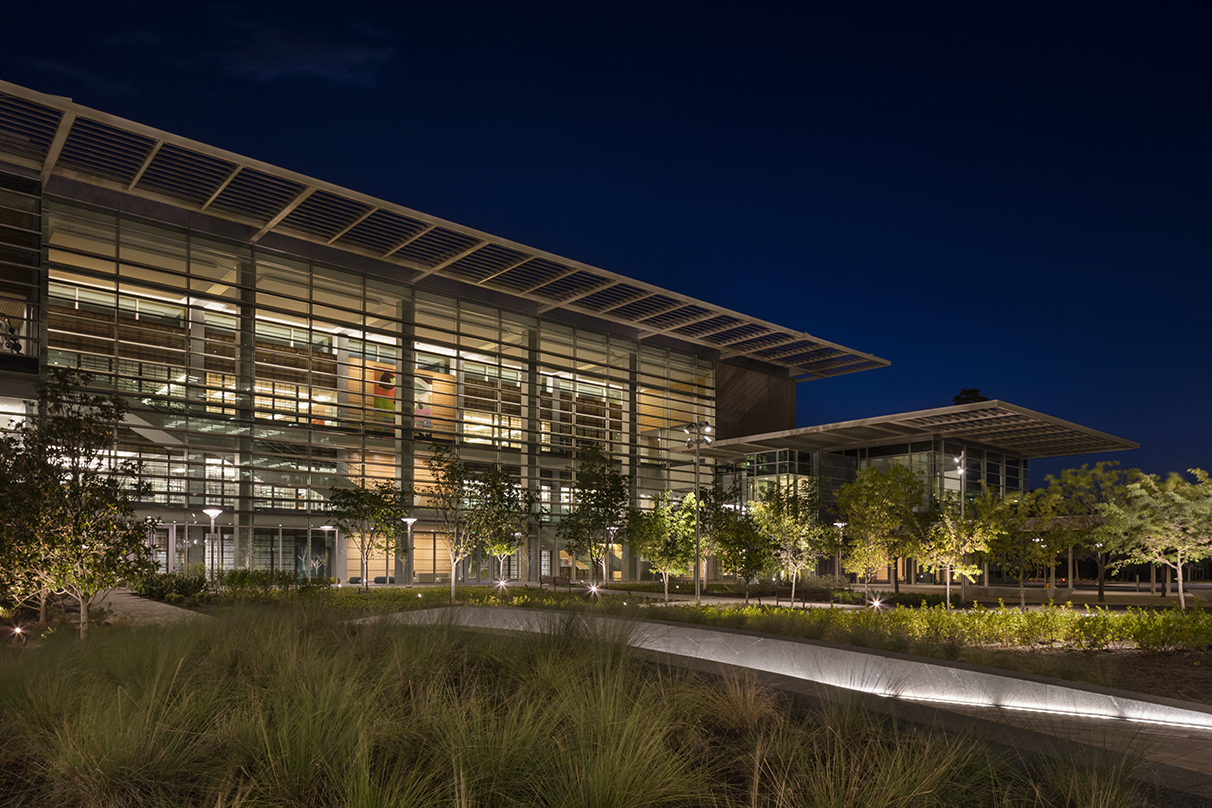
[1015, 197]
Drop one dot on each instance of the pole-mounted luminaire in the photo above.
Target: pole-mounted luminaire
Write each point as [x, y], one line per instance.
[840, 539]
[408, 521]
[212, 513]
[326, 529]
[961, 464]
[700, 432]
[611, 530]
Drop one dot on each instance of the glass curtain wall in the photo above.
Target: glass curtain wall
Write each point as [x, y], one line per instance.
[20, 257]
[260, 381]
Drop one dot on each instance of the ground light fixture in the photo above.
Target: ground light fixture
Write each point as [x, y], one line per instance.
[212, 513]
[700, 435]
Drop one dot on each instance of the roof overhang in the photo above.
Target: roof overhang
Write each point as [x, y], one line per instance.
[54, 136]
[996, 424]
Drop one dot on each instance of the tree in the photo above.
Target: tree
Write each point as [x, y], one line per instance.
[664, 536]
[1071, 504]
[500, 513]
[601, 502]
[1168, 523]
[373, 514]
[968, 395]
[448, 496]
[880, 510]
[1018, 524]
[70, 499]
[790, 516]
[741, 547]
[956, 534]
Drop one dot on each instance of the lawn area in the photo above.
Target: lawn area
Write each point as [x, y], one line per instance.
[298, 706]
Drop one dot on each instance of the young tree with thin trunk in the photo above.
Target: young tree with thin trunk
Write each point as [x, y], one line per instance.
[500, 514]
[1072, 501]
[374, 516]
[1167, 522]
[1016, 524]
[790, 516]
[448, 495]
[602, 492]
[741, 547]
[880, 509]
[953, 537]
[664, 537]
[70, 500]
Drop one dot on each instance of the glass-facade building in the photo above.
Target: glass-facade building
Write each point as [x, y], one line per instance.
[261, 380]
[278, 338]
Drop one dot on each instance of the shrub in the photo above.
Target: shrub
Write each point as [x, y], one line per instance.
[1168, 630]
[1096, 630]
[158, 585]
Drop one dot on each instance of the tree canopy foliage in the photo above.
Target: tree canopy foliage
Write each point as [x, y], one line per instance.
[881, 508]
[789, 515]
[1166, 522]
[500, 514]
[664, 536]
[373, 515]
[741, 547]
[969, 395]
[602, 494]
[448, 495]
[1069, 506]
[955, 535]
[67, 501]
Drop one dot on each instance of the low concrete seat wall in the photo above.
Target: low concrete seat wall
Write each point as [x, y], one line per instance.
[1010, 593]
[883, 673]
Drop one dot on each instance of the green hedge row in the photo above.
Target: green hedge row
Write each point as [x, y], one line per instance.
[1090, 629]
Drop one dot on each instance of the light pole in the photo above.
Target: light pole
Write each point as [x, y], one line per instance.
[517, 543]
[700, 430]
[960, 464]
[611, 530]
[840, 527]
[326, 529]
[212, 513]
[408, 521]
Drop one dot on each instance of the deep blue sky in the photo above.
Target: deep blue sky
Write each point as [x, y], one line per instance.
[1015, 197]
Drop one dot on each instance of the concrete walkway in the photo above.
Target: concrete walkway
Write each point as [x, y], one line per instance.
[126, 607]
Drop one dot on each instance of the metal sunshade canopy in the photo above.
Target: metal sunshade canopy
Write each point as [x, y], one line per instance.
[54, 136]
[997, 424]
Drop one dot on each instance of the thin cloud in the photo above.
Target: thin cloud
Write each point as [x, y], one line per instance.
[85, 78]
[265, 54]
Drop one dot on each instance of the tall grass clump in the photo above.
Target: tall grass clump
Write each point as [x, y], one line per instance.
[296, 707]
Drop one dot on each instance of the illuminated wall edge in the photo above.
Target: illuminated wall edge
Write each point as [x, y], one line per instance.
[878, 672]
